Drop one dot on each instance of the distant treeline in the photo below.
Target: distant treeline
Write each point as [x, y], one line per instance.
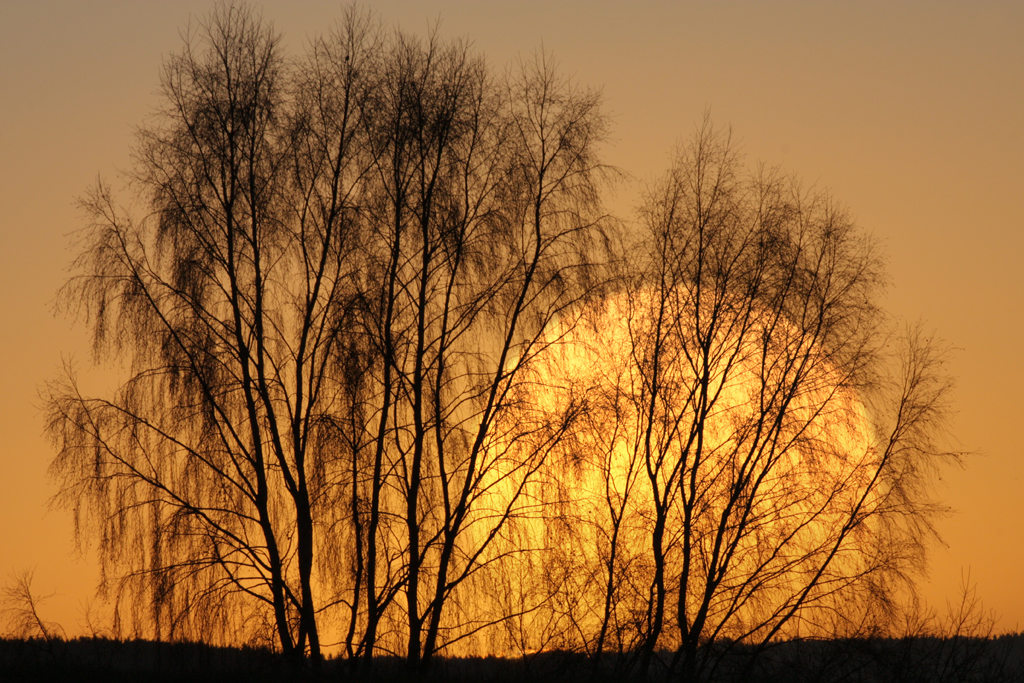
[859, 660]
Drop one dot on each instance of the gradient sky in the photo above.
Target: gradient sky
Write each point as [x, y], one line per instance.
[912, 113]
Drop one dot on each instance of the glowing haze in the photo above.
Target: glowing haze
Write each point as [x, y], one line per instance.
[911, 113]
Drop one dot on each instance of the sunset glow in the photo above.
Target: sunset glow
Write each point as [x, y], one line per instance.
[673, 407]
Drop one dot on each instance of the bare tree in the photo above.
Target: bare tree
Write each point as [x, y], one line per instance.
[383, 383]
[344, 266]
[19, 607]
[202, 474]
[749, 423]
[484, 231]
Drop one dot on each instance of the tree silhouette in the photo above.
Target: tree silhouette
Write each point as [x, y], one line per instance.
[747, 423]
[203, 471]
[342, 269]
[396, 383]
[19, 607]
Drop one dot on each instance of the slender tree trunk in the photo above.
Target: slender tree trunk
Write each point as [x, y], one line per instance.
[658, 588]
[304, 523]
[373, 605]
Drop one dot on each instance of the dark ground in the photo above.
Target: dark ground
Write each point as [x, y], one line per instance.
[910, 660]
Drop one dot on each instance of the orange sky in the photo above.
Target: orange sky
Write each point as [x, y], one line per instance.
[912, 113]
